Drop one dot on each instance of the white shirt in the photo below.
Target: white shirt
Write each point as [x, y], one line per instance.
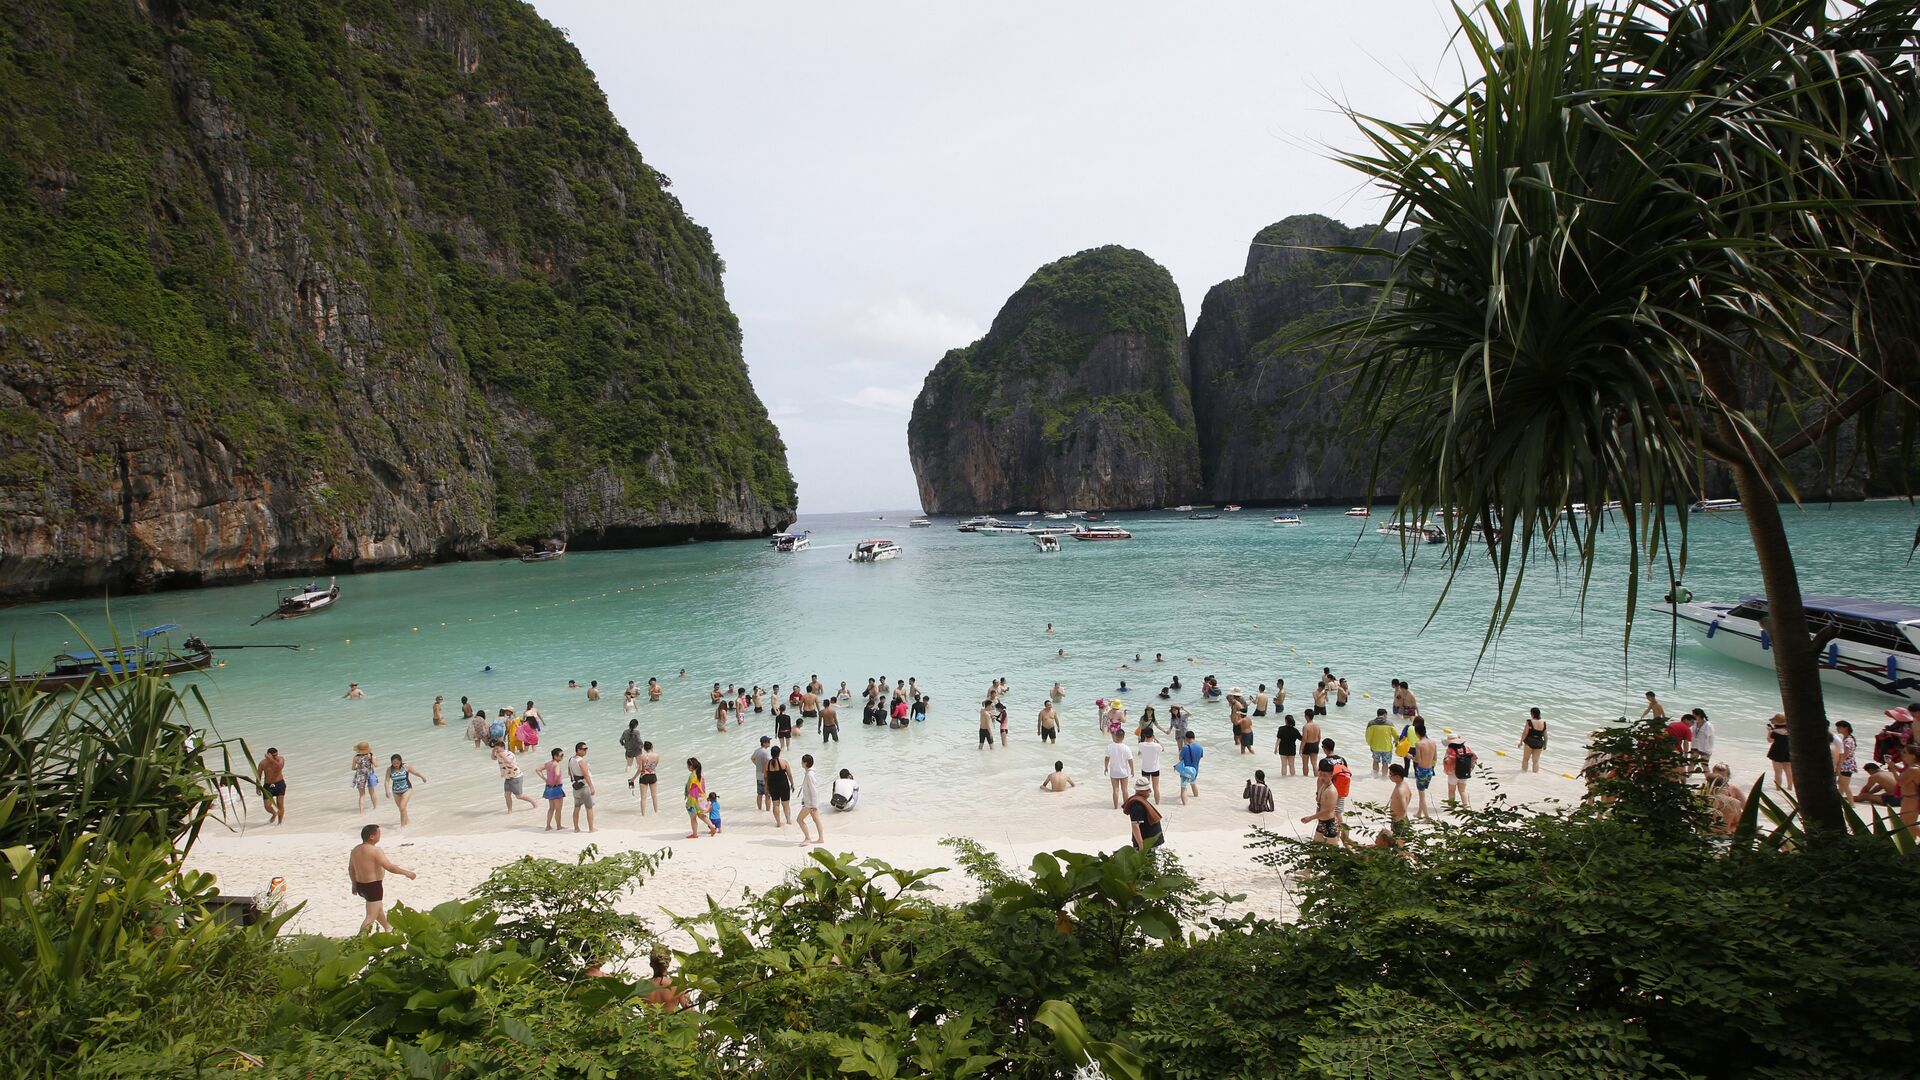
[1703, 737]
[846, 787]
[808, 797]
[1119, 761]
[1149, 756]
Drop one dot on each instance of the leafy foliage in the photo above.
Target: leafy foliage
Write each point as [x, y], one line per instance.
[569, 910]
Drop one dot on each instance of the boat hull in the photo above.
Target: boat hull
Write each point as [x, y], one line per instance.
[51, 681]
[288, 611]
[1843, 664]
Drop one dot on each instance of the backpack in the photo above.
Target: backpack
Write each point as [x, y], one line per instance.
[1342, 779]
[1463, 761]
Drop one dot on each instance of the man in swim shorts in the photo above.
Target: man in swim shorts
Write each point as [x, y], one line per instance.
[273, 785]
[1326, 830]
[367, 870]
[1426, 754]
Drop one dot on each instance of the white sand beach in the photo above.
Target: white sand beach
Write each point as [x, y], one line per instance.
[1209, 835]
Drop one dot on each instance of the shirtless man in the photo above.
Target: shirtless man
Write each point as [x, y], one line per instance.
[1058, 692]
[1279, 694]
[1058, 780]
[1260, 701]
[653, 688]
[1310, 745]
[273, 785]
[1413, 703]
[987, 719]
[810, 705]
[1881, 788]
[1426, 753]
[1397, 802]
[1049, 723]
[1654, 708]
[354, 691]
[1320, 699]
[438, 720]
[1325, 829]
[367, 870]
[829, 721]
[1910, 785]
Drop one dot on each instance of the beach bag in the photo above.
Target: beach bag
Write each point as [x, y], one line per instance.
[1463, 762]
[839, 801]
[1342, 779]
[1187, 772]
[1404, 745]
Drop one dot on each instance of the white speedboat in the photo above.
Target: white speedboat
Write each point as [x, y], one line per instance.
[1234, 508]
[1053, 516]
[875, 551]
[1287, 519]
[976, 523]
[1046, 541]
[1425, 531]
[1716, 506]
[1101, 532]
[1878, 647]
[1026, 513]
[1183, 508]
[920, 523]
[790, 541]
[1359, 511]
[1001, 528]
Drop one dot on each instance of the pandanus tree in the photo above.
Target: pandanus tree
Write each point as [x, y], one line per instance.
[1650, 236]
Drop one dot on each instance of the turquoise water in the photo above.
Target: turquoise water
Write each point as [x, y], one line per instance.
[1253, 603]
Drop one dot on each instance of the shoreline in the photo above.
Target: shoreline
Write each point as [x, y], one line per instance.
[1209, 836]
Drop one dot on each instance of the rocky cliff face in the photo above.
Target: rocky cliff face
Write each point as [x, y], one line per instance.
[1076, 397]
[1268, 423]
[341, 285]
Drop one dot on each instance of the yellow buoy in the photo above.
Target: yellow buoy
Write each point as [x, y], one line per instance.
[1500, 753]
[1569, 776]
[1366, 695]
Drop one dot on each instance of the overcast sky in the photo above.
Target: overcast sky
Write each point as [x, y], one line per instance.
[880, 177]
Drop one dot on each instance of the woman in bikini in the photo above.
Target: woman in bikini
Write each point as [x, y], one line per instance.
[554, 790]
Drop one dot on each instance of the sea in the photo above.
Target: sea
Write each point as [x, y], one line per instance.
[1236, 597]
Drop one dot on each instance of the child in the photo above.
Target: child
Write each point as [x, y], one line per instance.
[713, 810]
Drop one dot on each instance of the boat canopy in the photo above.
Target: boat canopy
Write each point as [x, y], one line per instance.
[161, 629]
[1851, 607]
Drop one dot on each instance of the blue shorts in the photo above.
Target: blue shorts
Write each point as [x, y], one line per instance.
[1382, 758]
[1422, 777]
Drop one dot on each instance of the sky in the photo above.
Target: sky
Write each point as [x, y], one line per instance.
[880, 176]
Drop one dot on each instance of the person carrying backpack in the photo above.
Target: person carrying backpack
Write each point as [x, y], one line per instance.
[1459, 768]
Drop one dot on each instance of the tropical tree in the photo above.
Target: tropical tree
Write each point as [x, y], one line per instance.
[1643, 233]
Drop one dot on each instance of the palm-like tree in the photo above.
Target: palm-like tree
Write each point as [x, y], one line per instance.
[1642, 229]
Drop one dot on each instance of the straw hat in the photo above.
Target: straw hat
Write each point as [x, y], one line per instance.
[363, 748]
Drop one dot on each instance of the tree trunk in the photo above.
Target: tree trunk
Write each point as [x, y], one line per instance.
[1796, 660]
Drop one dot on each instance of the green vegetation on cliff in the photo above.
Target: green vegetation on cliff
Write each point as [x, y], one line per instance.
[298, 217]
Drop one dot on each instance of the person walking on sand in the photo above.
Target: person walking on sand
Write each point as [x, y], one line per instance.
[438, 720]
[1147, 757]
[1845, 763]
[273, 785]
[696, 795]
[1143, 818]
[809, 804]
[1778, 755]
[1460, 763]
[1189, 767]
[760, 756]
[400, 778]
[366, 782]
[554, 788]
[1119, 767]
[649, 778]
[511, 781]
[1533, 739]
[1426, 755]
[581, 778]
[779, 789]
[367, 870]
[1326, 830]
[630, 745]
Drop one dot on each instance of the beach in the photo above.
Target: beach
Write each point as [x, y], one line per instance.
[1209, 836]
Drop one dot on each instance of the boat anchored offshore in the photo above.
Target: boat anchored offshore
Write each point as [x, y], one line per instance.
[790, 541]
[1426, 531]
[1359, 511]
[1716, 506]
[1287, 519]
[1046, 541]
[1876, 647]
[1203, 517]
[920, 523]
[298, 600]
[552, 554]
[875, 551]
[1103, 532]
[71, 670]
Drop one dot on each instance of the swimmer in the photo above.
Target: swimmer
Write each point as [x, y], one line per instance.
[1158, 659]
[354, 691]
[1058, 780]
[1049, 628]
[1058, 692]
[1123, 687]
[1060, 654]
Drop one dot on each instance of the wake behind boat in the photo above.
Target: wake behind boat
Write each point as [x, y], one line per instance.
[1876, 646]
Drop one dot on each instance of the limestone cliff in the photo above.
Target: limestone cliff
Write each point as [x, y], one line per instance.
[1076, 397]
[288, 288]
[1268, 422]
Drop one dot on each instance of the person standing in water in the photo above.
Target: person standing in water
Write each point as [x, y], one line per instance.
[829, 721]
[649, 778]
[1310, 746]
[438, 720]
[809, 804]
[1189, 768]
[366, 781]
[987, 719]
[1286, 743]
[400, 777]
[1425, 755]
[367, 870]
[630, 748]
[1533, 739]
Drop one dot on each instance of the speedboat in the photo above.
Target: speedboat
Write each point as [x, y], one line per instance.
[1203, 517]
[1046, 541]
[1183, 508]
[1878, 647]
[1716, 506]
[71, 670]
[1026, 513]
[1425, 531]
[1104, 532]
[1287, 519]
[790, 541]
[552, 554]
[1359, 511]
[875, 551]
[978, 522]
[920, 523]
[1002, 528]
[1233, 508]
[298, 600]
[1052, 516]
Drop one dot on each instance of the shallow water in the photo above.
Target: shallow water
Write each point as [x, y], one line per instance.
[1250, 602]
